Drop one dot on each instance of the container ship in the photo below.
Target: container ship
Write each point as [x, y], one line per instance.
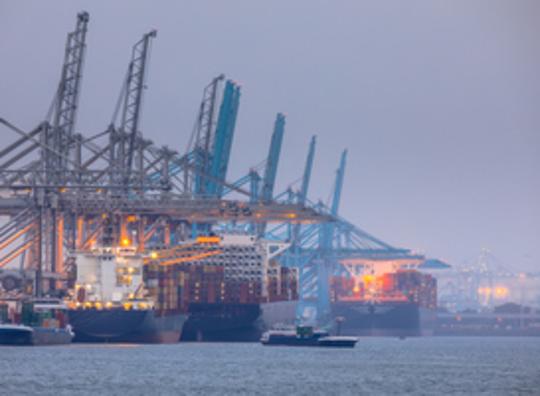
[112, 303]
[231, 285]
[401, 304]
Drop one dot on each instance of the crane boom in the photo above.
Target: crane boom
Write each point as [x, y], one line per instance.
[272, 161]
[222, 144]
[67, 96]
[307, 171]
[203, 135]
[270, 171]
[340, 174]
[302, 195]
[133, 94]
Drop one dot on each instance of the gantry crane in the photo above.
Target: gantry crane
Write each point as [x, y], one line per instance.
[69, 190]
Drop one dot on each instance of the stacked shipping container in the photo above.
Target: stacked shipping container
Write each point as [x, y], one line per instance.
[399, 286]
[222, 283]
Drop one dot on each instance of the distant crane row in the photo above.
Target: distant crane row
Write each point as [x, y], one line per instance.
[66, 191]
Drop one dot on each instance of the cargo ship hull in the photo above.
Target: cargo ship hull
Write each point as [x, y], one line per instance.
[278, 313]
[384, 319]
[236, 322]
[133, 326]
[222, 322]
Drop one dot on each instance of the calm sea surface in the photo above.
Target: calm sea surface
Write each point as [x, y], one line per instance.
[423, 366]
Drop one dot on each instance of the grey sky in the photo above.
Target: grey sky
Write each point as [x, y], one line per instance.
[437, 101]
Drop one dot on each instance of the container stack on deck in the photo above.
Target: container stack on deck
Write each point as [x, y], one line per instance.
[283, 285]
[167, 286]
[417, 287]
[222, 284]
[400, 286]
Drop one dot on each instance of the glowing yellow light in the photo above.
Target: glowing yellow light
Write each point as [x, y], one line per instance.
[501, 292]
[208, 239]
[356, 289]
[368, 278]
[291, 215]
[130, 270]
[127, 306]
[131, 218]
[143, 305]
[108, 304]
[125, 242]
[131, 296]
[153, 255]
[98, 305]
[486, 291]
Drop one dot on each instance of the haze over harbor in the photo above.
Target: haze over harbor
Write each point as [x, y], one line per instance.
[437, 102]
[338, 197]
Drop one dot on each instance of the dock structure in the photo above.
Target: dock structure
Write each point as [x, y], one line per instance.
[67, 191]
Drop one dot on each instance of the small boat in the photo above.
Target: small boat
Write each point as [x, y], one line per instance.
[306, 336]
[26, 335]
[42, 322]
[338, 341]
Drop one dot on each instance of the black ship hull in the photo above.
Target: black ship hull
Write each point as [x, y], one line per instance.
[384, 319]
[236, 322]
[222, 322]
[133, 326]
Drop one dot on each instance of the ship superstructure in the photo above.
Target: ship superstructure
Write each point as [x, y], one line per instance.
[110, 277]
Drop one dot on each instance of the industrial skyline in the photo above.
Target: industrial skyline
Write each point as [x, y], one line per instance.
[428, 167]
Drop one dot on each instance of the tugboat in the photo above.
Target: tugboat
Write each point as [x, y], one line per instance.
[306, 336]
[41, 322]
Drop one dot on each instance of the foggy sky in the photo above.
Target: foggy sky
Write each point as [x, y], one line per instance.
[438, 102]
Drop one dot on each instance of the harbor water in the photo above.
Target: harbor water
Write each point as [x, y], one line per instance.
[388, 366]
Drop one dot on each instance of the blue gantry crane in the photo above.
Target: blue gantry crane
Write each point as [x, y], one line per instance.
[206, 160]
[270, 171]
[222, 144]
[272, 161]
[316, 249]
